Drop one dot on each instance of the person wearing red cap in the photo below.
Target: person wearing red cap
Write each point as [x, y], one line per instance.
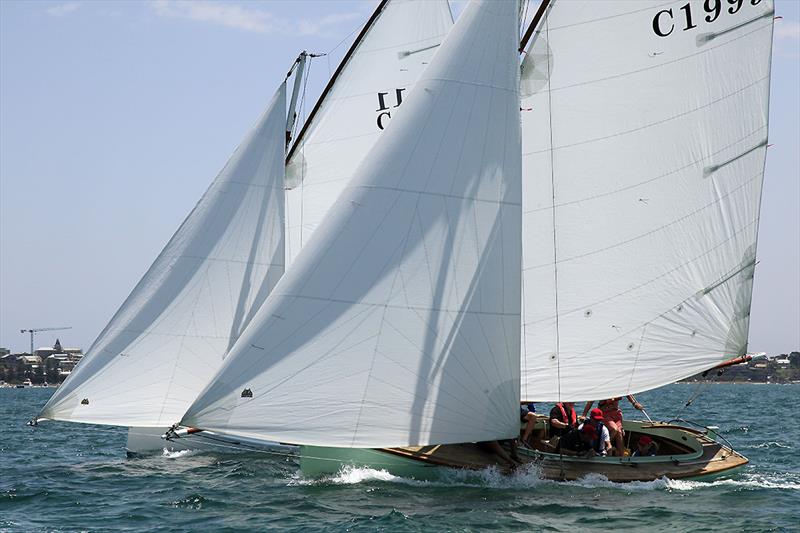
[577, 442]
[602, 441]
[645, 447]
[612, 417]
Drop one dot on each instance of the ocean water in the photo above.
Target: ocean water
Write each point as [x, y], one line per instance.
[70, 477]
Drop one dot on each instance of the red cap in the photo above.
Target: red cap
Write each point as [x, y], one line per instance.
[596, 414]
[645, 440]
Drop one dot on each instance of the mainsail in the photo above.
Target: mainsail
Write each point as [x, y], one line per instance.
[362, 98]
[644, 142]
[171, 334]
[398, 322]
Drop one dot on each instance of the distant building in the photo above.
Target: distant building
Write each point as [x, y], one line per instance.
[47, 351]
[45, 365]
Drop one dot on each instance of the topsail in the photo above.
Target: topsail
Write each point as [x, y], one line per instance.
[643, 160]
[363, 97]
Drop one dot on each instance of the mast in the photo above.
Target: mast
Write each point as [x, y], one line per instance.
[298, 67]
[335, 76]
[534, 23]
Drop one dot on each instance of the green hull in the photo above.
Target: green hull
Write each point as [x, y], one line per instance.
[319, 461]
[699, 458]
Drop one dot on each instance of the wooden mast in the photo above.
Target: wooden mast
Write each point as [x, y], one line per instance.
[335, 76]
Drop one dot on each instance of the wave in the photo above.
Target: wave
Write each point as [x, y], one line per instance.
[748, 481]
[530, 477]
[770, 444]
[525, 477]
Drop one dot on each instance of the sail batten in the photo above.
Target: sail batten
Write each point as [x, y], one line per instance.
[391, 327]
[643, 157]
[173, 331]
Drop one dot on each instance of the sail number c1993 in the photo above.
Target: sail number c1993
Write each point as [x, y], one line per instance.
[667, 20]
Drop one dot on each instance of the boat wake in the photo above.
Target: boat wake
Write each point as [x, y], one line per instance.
[530, 477]
[746, 482]
[524, 478]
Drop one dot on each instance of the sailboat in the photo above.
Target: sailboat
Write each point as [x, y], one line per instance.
[581, 227]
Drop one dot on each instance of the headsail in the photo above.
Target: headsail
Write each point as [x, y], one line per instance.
[397, 324]
[375, 77]
[643, 160]
[171, 334]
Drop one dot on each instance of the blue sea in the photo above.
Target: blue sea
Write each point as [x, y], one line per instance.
[70, 477]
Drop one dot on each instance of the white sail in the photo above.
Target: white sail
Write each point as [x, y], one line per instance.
[373, 80]
[398, 323]
[172, 332]
[644, 141]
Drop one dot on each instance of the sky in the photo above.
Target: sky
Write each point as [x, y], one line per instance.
[115, 117]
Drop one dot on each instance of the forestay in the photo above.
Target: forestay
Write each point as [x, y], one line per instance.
[363, 99]
[398, 323]
[171, 334]
[645, 136]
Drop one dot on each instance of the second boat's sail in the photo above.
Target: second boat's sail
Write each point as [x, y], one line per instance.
[398, 323]
[171, 334]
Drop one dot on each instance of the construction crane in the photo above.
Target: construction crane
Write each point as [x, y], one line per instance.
[34, 331]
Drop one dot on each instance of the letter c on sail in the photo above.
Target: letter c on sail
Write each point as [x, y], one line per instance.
[386, 114]
[657, 23]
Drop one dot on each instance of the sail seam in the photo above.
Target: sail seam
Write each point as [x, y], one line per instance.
[663, 315]
[218, 260]
[664, 64]
[438, 194]
[601, 19]
[653, 280]
[647, 181]
[657, 122]
[473, 83]
[654, 230]
[409, 307]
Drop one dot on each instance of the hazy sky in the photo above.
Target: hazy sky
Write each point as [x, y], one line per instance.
[115, 117]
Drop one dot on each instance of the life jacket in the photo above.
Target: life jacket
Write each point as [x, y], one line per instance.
[598, 441]
[571, 420]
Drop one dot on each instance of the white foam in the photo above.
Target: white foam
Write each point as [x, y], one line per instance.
[523, 478]
[175, 454]
[350, 475]
[529, 476]
[751, 481]
[770, 444]
[595, 481]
